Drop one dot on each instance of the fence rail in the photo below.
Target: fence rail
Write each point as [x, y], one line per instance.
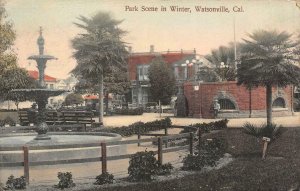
[103, 159]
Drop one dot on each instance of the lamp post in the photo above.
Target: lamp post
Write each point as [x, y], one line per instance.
[223, 68]
[191, 67]
[189, 64]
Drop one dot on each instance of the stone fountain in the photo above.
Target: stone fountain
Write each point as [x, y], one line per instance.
[40, 94]
[72, 145]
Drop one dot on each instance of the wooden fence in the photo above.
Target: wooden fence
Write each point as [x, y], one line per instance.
[103, 159]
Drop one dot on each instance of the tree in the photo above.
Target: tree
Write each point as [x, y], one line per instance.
[7, 34]
[116, 82]
[267, 59]
[207, 74]
[162, 81]
[16, 78]
[11, 76]
[98, 51]
[73, 98]
[226, 55]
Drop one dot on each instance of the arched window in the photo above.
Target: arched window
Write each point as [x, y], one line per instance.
[226, 104]
[278, 103]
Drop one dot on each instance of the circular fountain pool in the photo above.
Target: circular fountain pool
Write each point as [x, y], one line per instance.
[61, 146]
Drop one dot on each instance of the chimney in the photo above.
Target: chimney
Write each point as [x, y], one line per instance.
[129, 49]
[151, 48]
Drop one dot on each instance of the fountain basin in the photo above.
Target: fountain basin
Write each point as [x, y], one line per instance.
[74, 146]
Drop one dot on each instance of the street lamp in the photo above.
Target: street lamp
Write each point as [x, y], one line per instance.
[188, 64]
[223, 68]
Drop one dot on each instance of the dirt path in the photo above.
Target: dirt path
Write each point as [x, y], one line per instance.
[114, 121]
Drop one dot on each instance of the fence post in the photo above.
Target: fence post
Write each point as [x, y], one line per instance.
[26, 163]
[160, 110]
[159, 150]
[139, 136]
[166, 134]
[103, 158]
[199, 138]
[191, 143]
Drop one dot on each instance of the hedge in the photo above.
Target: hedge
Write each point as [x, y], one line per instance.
[206, 127]
[127, 111]
[141, 127]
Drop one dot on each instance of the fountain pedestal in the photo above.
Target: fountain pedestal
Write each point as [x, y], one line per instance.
[42, 129]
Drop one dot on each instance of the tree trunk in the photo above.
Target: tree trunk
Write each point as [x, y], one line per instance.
[250, 102]
[269, 104]
[106, 102]
[101, 98]
[17, 105]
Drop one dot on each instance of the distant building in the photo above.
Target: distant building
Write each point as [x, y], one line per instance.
[49, 80]
[66, 84]
[185, 64]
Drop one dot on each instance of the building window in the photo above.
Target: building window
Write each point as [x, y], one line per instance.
[134, 95]
[144, 95]
[226, 104]
[51, 86]
[142, 72]
[278, 103]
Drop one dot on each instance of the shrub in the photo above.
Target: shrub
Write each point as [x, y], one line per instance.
[142, 166]
[16, 183]
[2, 123]
[104, 178]
[193, 162]
[209, 153]
[272, 131]
[65, 180]
[165, 169]
[8, 120]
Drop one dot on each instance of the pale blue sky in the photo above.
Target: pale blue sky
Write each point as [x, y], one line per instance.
[165, 30]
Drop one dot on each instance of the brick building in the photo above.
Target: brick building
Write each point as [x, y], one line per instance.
[184, 64]
[235, 101]
[49, 80]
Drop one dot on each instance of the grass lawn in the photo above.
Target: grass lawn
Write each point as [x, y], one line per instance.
[280, 171]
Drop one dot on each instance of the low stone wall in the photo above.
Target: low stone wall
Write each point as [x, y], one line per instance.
[79, 151]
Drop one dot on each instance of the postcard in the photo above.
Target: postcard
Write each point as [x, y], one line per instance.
[108, 49]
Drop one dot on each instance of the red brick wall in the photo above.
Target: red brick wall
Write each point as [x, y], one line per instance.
[200, 102]
[135, 60]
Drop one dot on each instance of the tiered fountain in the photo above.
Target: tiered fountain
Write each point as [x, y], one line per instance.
[75, 140]
[41, 94]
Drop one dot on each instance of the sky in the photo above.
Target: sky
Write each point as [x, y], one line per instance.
[166, 30]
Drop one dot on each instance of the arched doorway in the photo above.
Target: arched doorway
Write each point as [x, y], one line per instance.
[226, 104]
[279, 103]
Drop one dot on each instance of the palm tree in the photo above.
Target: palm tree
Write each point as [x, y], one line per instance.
[267, 59]
[226, 55]
[98, 50]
